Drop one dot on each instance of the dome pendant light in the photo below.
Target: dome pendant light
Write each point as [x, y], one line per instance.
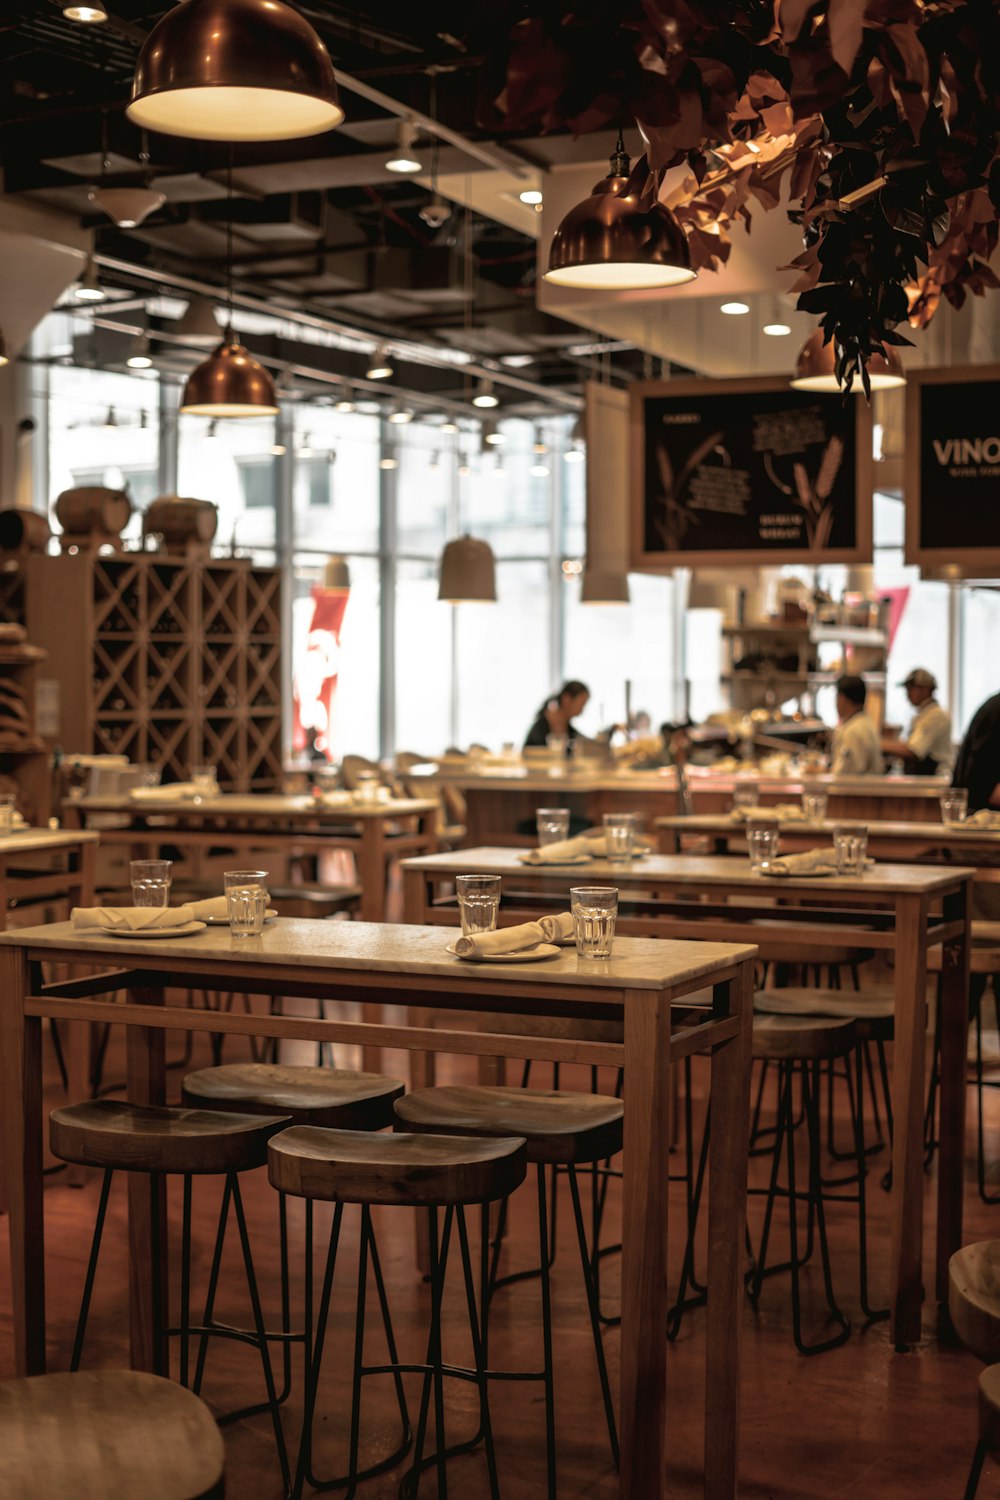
[816, 368]
[609, 243]
[468, 572]
[234, 70]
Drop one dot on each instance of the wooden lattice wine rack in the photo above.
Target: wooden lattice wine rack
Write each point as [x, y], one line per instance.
[176, 661]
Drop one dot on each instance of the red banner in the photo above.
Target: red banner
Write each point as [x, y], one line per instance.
[316, 672]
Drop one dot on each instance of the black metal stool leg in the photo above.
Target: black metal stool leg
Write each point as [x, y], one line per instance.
[313, 1364]
[477, 1325]
[258, 1320]
[88, 1285]
[185, 1280]
[978, 1459]
[549, 1383]
[595, 1323]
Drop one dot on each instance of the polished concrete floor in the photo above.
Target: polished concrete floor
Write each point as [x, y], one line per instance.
[860, 1420]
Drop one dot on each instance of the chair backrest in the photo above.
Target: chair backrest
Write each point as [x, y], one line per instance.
[351, 765]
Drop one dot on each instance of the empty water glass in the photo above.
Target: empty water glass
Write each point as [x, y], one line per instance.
[150, 880]
[619, 837]
[814, 806]
[552, 824]
[367, 789]
[746, 794]
[205, 780]
[763, 846]
[8, 806]
[246, 899]
[594, 908]
[954, 806]
[478, 902]
[851, 844]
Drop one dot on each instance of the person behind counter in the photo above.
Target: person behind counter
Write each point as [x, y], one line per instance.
[855, 750]
[557, 715]
[977, 767]
[927, 749]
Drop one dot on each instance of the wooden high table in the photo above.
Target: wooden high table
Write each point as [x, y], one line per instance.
[905, 909]
[264, 822]
[911, 843]
[404, 965]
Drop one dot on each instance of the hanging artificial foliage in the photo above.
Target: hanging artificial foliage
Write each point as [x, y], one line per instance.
[878, 122]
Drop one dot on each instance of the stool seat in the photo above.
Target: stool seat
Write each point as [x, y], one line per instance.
[989, 1408]
[559, 1126]
[354, 1166]
[333, 1097]
[105, 1433]
[802, 1038]
[974, 1298]
[151, 1138]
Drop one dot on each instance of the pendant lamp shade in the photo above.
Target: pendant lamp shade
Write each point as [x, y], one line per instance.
[234, 70]
[128, 207]
[816, 368]
[603, 586]
[229, 383]
[468, 572]
[610, 243]
[337, 575]
[199, 324]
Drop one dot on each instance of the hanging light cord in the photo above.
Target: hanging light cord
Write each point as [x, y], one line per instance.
[229, 247]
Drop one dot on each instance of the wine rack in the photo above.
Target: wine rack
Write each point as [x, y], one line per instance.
[173, 662]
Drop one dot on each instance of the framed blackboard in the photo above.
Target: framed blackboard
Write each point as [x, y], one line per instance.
[952, 468]
[736, 473]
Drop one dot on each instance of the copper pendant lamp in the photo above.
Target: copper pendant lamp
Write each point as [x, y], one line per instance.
[610, 243]
[468, 572]
[234, 70]
[816, 368]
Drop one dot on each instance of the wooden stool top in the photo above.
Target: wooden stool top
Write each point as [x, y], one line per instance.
[149, 1138]
[558, 1126]
[974, 1298]
[354, 1166]
[334, 1097]
[102, 1433]
[872, 1014]
[801, 1038]
[989, 1408]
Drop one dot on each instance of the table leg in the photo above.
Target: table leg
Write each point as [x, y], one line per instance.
[727, 1208]
[147, 1204]
[954, 1042]
[371, 869]
[645, 1296]
[909, 1028]
[21, 1166]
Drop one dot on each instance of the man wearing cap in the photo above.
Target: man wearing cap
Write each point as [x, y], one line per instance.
[927, 750]
[855, 750]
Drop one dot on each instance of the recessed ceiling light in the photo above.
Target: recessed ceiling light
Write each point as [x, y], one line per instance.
[734, 309]
[403, 159]
[530, 196]
[89, 15]
[776, 330]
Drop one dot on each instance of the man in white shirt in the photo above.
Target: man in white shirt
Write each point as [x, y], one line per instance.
[855, 750]
[927, 750]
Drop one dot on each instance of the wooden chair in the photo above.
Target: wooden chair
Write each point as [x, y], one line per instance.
[403, 1170]
[106, 1433]
[562, 1129]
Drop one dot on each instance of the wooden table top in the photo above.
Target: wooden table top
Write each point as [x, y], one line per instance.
[883, 828]
[255, 805]
[700, 780]
[395, 948]
[31, 840]
[693, 869]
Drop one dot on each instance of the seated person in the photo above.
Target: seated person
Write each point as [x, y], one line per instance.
[855, 750]
[557, 715]
[927, 749]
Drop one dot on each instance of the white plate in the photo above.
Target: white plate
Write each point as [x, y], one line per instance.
[187, 929]
[269, 916]
[569, 859]
[527, 956]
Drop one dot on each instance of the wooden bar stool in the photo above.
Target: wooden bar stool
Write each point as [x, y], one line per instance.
[175, 1142]
[106, 1433]
[984, 969]
[333, 1098]
[562, 1129]
[349, 1166]
[974, 1309]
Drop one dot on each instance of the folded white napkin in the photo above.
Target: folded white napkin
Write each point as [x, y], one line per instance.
[557, 929]
[810, 862]
[503, 940]
[131, 918]
[781, 812]
[212, 906]
[564, 849]
[984, 818]
[337, 799]
[163, 793]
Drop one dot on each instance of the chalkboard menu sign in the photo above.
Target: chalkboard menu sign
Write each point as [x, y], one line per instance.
[739, 473]
[952, 470]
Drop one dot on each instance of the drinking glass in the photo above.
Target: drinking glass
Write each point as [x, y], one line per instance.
[763, 846]
[745, 795]
[558, 744]
[478, 902]
[246, 898]
[552, 824]
[954, 806]
[205, 780]
[814, 806]
[149, 774]
[8, 804]
[150, 881]
[367, 788]
[851, 844]
[619, 837]
[594, 909]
